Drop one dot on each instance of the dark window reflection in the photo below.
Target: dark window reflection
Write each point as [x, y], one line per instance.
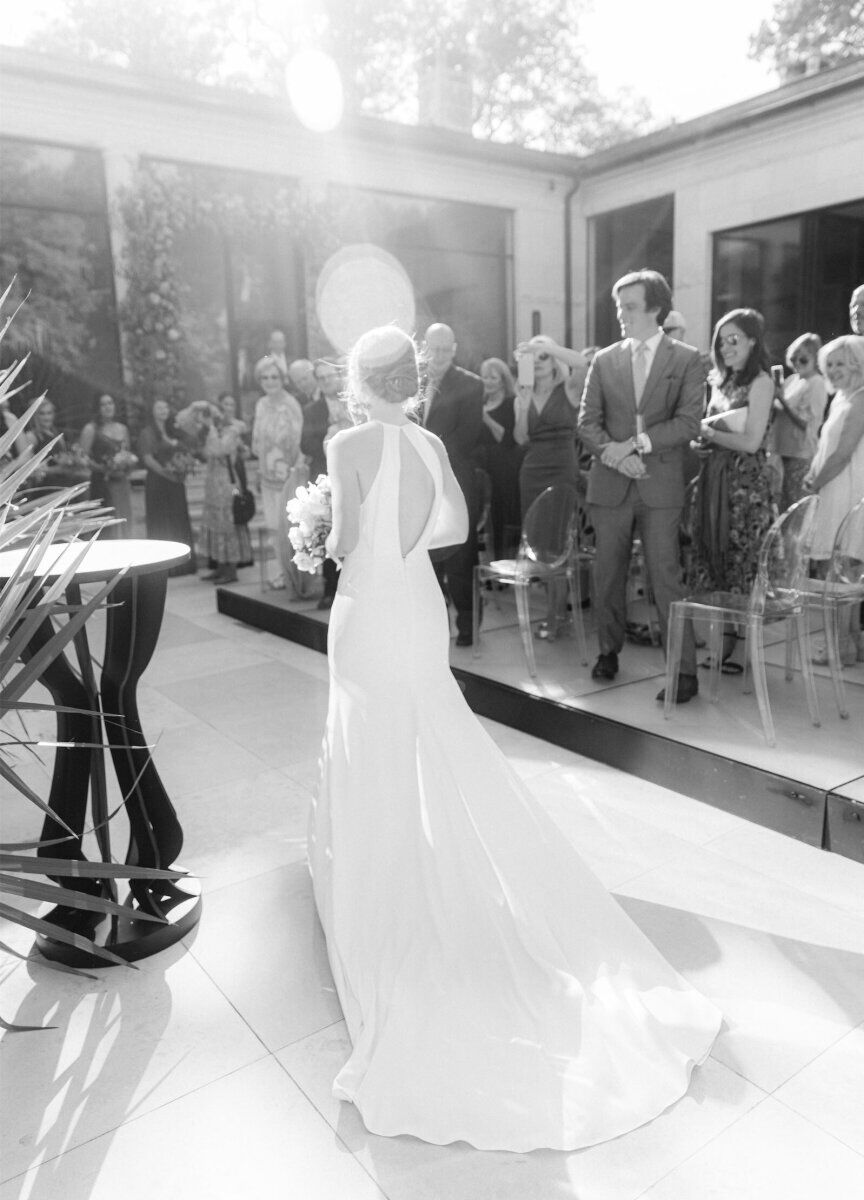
[797, 271]
[457, 256]
[760, 267]
[627, 239]
[54, 238]
[240, 278]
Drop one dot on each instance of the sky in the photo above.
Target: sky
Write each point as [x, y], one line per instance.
[685, 58]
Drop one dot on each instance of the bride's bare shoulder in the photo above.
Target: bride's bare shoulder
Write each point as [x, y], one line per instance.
[355, 436]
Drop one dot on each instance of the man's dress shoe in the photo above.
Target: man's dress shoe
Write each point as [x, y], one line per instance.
[606, 667]
[686, 689]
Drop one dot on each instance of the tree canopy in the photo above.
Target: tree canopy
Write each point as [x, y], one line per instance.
[826, 32]
[522, 59]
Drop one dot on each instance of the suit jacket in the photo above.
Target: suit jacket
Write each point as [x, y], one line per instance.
[455, 415]
[316, 418]
[671, 410]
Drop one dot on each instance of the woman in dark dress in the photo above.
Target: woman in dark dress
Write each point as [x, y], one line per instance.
[106, 443]
[545, 424]
[546, 418]
[166, 457]
[502, 456]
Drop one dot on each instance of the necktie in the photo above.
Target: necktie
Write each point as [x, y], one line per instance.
[640, 370]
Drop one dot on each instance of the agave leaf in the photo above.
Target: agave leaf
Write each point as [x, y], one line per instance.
[31, 672]
[12, 777]
[22, 387]
[43, 962]
[52, 504]
[10, 1028]
[18, 307]
[9, 375]
[11, 847]
[73, 868]
[43, 842]
[5, 295]
[47, 706]
[24, 628]
[58, 934]
[30, 889]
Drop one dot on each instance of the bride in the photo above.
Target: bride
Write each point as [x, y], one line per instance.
[494, 992]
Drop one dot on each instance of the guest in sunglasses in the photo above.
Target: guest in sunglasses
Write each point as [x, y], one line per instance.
[798, 413]
[546, 416]
[733, 508]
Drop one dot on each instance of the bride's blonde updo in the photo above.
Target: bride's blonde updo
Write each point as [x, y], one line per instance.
[376, 358]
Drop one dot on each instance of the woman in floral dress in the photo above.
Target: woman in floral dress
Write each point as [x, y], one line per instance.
[224, 544]
[276, 433]
[732, 499]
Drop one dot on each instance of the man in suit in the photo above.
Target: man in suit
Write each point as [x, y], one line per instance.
[642, 405]
[301, 381]
[454, 412]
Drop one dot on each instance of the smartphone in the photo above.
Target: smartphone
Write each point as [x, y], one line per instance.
[525, 370]
[777, 375]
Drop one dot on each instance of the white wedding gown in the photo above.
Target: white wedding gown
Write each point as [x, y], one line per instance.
[494, 992]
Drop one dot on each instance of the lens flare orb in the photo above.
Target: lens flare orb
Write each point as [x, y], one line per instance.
[360, 287]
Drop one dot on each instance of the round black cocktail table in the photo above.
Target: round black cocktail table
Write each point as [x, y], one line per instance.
[108, 717]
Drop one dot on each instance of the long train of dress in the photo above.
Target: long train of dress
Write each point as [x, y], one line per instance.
[494, 991]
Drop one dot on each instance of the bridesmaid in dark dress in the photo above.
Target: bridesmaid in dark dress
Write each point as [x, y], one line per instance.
[162, 451]
[502, 456]
[106, 443]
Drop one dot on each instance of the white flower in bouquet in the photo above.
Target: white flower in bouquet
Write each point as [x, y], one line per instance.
[311, 516]
[121, 463]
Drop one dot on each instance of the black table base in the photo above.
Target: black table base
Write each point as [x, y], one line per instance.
[134, 618]
[128, 938]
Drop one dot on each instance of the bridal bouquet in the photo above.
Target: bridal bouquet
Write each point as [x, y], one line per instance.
[181, 464]
[310, 513]
[120, 464]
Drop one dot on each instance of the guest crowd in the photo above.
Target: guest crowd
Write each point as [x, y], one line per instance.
[684, 449]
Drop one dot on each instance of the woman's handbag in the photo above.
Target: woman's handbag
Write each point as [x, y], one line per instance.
[242, 500]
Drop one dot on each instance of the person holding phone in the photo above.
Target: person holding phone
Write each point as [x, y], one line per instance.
[549, 382]
[798, 411]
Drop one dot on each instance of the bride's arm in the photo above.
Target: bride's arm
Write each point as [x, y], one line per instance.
[451, 528]
[345, 498]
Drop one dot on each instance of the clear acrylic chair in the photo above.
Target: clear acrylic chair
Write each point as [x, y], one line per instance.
[778, 594]
[843, 585]
[484, 530]
[550, 549]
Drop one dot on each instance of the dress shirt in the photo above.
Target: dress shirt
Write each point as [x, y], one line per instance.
[642, 440]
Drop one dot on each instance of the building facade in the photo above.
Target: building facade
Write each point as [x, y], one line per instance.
[760, 204]
[163, 229]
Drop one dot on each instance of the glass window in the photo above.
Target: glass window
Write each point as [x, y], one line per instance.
[760, 266]
[458, 257]
[622, 240]
[239, 280]
[54, 238]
